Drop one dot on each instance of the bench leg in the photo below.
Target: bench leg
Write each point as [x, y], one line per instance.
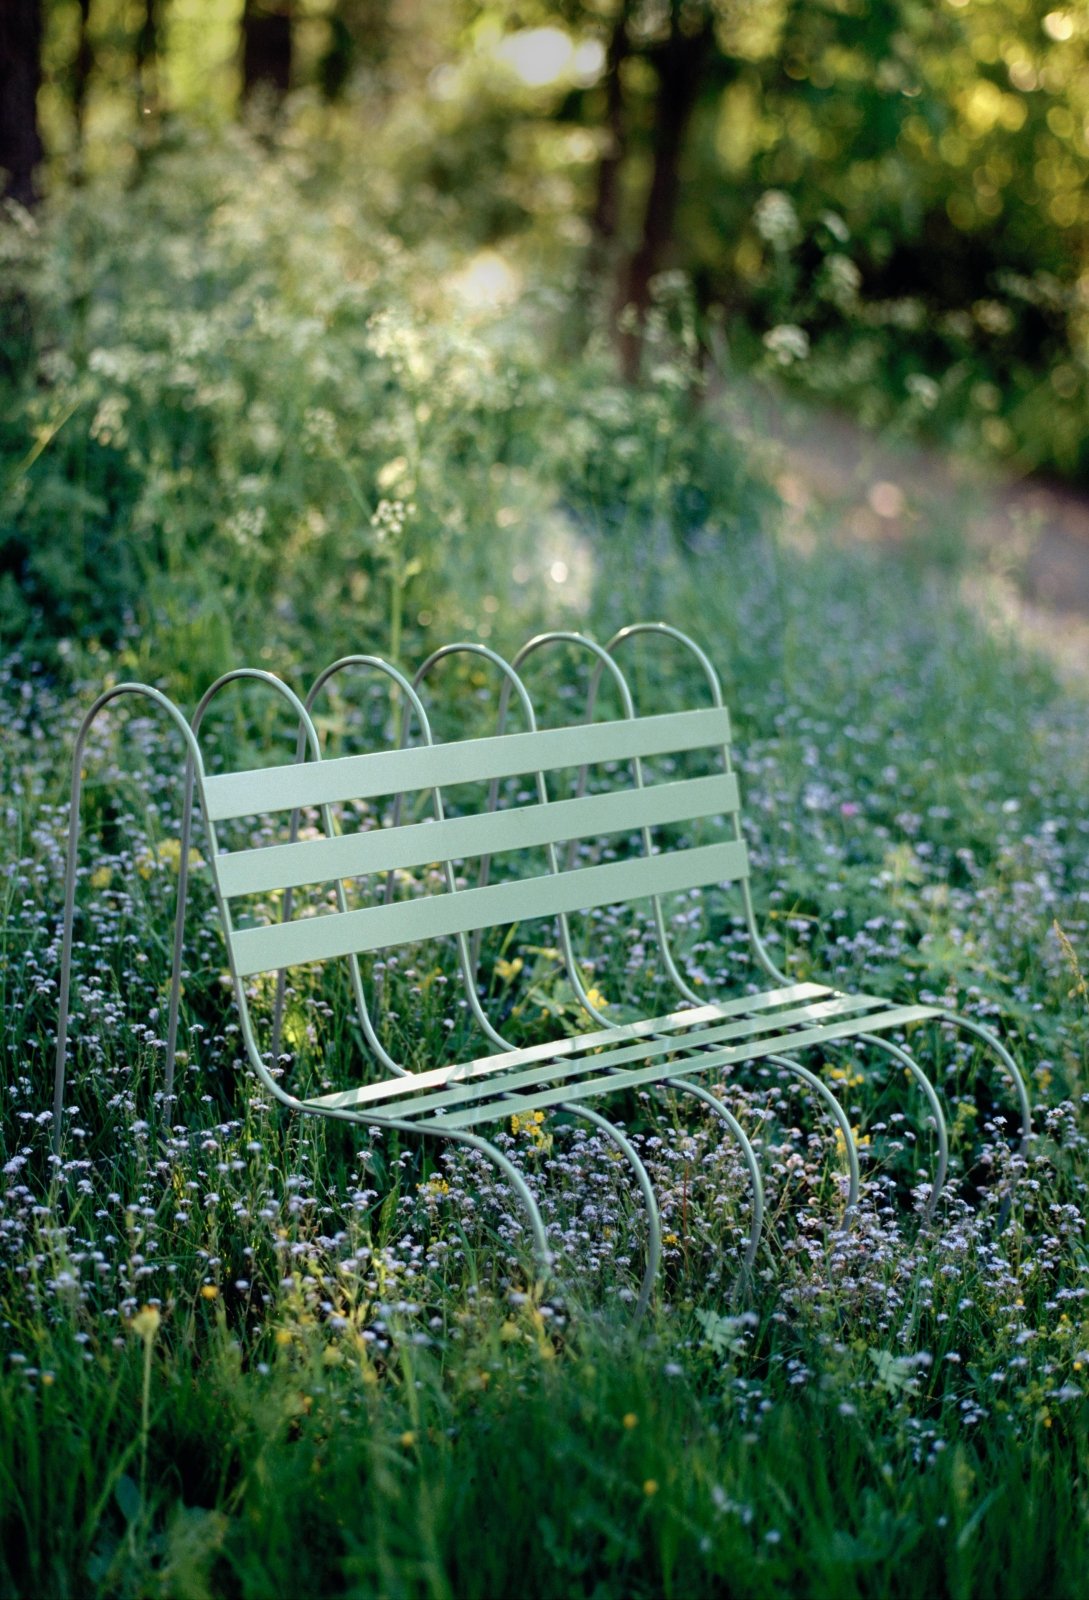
[157, 697]
[509, 1171]
[1012, 1070]
[741, 1137]
[900, 1054]
[642, 1177]
[840, 1117]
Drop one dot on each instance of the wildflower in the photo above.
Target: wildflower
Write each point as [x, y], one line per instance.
[596, 999]
[650, 1487]
[507, 971]
[841, 280]
[101, 877]
[531, 1125]
[208, 1291]
[923, 389]
[776, 220]
[786, 344]
[435, 1187]
[169, 853]
[849, 1076]
[393, 473]
[390, 518]
[407, 1439]
[146, 1323]
[993, 316]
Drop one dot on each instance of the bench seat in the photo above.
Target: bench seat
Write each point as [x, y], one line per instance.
[590, 1065]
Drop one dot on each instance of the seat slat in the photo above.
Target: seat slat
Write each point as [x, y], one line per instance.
[288, 866]
[431, 916]
[460, 1091]
[698, 1061]
[312, 783]
[579, 1044]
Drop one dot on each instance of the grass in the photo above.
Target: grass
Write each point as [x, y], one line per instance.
[247, 1357]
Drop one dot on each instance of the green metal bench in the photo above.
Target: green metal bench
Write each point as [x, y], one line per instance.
[696, 1041]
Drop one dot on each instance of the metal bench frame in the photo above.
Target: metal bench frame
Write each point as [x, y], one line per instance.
[450, 1101]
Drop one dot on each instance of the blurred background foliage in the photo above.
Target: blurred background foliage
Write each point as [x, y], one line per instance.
[275, 270]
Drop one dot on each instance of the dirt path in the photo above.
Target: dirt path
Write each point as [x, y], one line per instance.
[1031, 538]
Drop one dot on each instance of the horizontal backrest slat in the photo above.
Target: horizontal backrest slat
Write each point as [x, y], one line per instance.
[288, 866]
[312, 783]
[339, 934]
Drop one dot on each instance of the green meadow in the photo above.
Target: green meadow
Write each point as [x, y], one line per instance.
[247, 1355]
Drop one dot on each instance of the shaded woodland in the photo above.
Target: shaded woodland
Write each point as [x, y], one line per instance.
[887, 202]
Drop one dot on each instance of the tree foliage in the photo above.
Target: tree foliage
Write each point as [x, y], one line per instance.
[886, 201]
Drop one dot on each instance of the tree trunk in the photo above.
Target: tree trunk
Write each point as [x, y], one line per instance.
[82, 67]
[266, 47]
[605, 215]
[682, 64]
[20, 77]
[147, 84]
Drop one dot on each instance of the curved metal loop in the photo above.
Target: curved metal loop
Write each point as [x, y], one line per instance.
[373, 664]
[765, 961]
[456, 1136]
[468, 959]
[582, 641]
[510, 679]
[604, 662]
[270, 681]
[193, 757]
[663, 629]
[839, 1116]
[236, 675]
[363, 1014]
[467, 955]
[741, 1138]
[513, 1177]
[1013, 1071]
[906, 1060]
[654, 1221]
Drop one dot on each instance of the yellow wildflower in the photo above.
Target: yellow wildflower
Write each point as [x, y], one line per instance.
[650, 1487]
[208, 1291]
[146, 1323]
[531, 1125]
[507, 971]
[849, 1075]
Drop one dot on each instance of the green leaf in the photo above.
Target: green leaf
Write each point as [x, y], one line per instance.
[128, 1499]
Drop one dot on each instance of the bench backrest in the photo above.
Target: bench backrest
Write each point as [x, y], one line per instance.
[622, 810]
